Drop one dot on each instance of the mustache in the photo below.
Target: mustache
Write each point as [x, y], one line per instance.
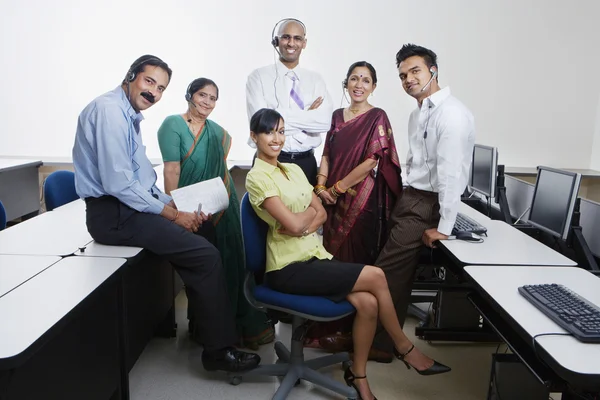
[148, 96]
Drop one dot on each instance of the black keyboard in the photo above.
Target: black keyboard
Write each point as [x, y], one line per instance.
[572, 312]
[466, 224]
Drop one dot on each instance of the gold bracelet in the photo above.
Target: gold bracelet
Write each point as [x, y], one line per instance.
[318, 192]
[337, 188]
[323, 175]
[317, 187]
[334, 192]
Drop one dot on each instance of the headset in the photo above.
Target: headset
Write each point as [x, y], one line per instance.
[138, 65]
[433, 75]
[275, 43]
[275, 38]
[188, 95]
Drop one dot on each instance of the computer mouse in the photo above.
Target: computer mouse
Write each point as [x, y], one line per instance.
[468, 237]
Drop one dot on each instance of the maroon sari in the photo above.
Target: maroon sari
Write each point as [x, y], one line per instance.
[357, 225]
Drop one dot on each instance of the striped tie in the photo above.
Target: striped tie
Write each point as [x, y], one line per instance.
[295, 92]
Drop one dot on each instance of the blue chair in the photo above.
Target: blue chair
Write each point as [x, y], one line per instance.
[59, 189]
[2, 216]
[290, 364]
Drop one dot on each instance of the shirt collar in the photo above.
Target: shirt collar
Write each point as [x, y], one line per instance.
[282, 70]
[134, 116]
[438, 97]
[269, 168]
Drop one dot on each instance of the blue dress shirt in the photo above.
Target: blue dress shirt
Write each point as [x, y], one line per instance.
[110, 158]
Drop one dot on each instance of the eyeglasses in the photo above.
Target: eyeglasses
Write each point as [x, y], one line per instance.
[206, 96]
[287, 38]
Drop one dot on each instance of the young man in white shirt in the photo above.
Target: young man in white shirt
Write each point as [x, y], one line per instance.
[441, 135]
[298, 94]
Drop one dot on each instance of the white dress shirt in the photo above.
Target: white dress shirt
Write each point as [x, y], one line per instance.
[270, 86]
[441, 161]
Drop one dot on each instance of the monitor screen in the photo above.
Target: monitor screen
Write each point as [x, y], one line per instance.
[483, 170]
[553, 200]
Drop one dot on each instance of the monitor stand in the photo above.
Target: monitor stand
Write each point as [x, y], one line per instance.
[501, 196]
[583, 254]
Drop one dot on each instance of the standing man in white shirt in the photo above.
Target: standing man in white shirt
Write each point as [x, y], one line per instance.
[298, 94]
[441, 135]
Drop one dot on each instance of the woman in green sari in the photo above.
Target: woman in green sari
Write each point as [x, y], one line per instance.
[195, 149]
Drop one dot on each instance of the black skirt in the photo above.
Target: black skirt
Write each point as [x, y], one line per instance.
[327, 278]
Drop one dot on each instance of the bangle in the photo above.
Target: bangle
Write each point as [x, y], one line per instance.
[323, 175]
[176, 215]
[318, 192]
[319, 188]
[337, 188]
[334, 192]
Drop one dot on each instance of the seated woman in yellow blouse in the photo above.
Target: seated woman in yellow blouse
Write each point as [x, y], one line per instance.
[297, 263]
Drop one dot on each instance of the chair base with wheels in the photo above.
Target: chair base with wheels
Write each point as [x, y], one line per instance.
[293, 367]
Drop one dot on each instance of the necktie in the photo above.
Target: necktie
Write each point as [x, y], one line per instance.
[295, 92]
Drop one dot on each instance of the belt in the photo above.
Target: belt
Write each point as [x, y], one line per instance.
[296, 156]
[424, 192]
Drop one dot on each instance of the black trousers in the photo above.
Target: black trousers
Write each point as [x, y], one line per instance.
[196, 260]
[308, 164]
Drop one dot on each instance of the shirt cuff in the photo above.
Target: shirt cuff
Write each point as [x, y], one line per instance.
[156, 207]
[165, 198]
[445, 226]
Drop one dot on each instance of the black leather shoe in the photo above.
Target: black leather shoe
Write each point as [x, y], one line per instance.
[435, 369]
[229, 359]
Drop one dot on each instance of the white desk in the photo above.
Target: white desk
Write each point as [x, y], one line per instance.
[51, 233]
[504, 245]
[19, 186]
[502, 282]
[37, 305]
[15, 270]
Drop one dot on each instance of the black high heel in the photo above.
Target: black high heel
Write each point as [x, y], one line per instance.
[435, 369]
[349, 378]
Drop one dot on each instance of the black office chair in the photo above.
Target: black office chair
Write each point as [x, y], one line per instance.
[290, 364]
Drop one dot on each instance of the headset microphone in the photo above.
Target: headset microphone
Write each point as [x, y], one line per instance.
[433, 75]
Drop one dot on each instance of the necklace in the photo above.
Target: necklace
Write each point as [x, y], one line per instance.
[356, 111]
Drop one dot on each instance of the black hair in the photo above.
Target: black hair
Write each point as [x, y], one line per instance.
[361, 64]
[410, 50]
[201, 83]
[265, 120]
[147, 59]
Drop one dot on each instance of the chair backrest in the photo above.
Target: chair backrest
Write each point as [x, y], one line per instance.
[2, 216]
[255, 232]
[59, 189]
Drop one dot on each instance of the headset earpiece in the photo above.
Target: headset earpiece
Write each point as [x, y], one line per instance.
[345, 83]
[275, 41]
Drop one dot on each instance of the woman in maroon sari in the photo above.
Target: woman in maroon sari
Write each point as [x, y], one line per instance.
[358, 181]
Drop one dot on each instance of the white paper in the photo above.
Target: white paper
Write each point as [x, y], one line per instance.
[211, 194]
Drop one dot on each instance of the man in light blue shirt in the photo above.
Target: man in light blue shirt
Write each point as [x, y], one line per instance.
[124, 207]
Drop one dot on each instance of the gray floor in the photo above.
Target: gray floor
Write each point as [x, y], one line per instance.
[171, 369]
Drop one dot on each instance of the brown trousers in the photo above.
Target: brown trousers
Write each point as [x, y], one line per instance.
[415, 211]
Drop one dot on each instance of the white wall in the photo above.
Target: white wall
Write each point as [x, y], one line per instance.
[524, 67]
[595, 160]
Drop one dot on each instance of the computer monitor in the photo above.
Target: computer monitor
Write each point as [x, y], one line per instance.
[554, 200]
[483, 170]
